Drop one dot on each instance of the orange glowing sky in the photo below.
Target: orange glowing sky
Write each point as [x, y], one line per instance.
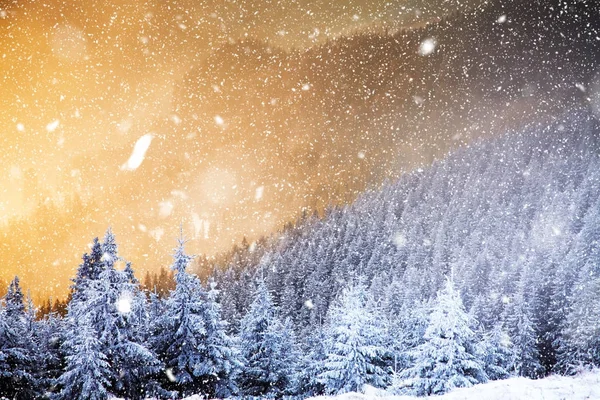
[81, 81]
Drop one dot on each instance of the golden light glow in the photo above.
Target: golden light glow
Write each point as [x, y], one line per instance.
[82, 81]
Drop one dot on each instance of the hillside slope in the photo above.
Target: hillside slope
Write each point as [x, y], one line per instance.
[513, 221]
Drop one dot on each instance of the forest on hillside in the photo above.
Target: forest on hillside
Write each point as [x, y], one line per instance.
[447, 226]
[488, 258]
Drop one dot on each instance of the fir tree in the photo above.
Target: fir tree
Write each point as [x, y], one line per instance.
[356, 352]
[190, 337]
[523, 336]
[87, 371]
[18, 349]
[88, 270]
[447, 359]
[495, 352]
[110, 303]
[582, 331]
[49, 335]
[15, 307]
[311, 365]
[267, 347]
[221, 361]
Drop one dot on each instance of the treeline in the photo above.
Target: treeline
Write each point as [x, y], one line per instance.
[512, 222]
[159, 283]
[487, 258]
[115, 341]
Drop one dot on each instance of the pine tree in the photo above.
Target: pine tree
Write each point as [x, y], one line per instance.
[87, 371]
[15, 307]
[521, 330]
[267, 347]
[190, 337]
[447, 359]
[18, 348]
[407, 318]
[49, 335]
[221, 362]
[582, 330]
[355, 345]
[130, 354]
[110, 303]
[88, 270]
[311, 365]
[495, 352]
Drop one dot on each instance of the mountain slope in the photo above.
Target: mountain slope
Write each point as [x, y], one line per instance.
[512, 220]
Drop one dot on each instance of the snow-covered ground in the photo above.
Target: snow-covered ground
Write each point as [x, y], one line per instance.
[583, 386]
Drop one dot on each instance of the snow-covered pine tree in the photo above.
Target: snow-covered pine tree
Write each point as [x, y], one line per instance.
[495, 352]
[407, 318]
[15, 306]
[581, 334]
[110, 302]
[521, 329]
[190, 336]
[89, 269]
[18, 349]
[355, 344]
[130, 354]
[49, 336]
[447, 358]
[220, 359]
[311, 365]
[267, 347]
[87, 371]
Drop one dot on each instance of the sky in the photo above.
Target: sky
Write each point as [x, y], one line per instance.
[91, 130]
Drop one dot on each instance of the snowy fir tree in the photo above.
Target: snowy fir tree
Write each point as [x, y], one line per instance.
[407, 318]
[447, 359]
[49, 336]
[495, 351]
[110, 306]
[355, 344]
[88, 270]
[311, 364]
[221, 361]
[268, 349]
[18, 349]
[581, 335]
[190, 337]
[87, 371]
[15, 305]
[521, 328]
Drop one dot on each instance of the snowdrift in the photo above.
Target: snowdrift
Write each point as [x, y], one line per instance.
[583, 386]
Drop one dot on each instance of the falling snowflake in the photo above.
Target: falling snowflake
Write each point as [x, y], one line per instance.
[138, 154]
[123, 303]
[259, 193]
[427, 46]
[165, 208]
[399, 240]
[51, 127]
[170, 375]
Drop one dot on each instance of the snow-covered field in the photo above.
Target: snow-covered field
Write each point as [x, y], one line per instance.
[583, 386]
